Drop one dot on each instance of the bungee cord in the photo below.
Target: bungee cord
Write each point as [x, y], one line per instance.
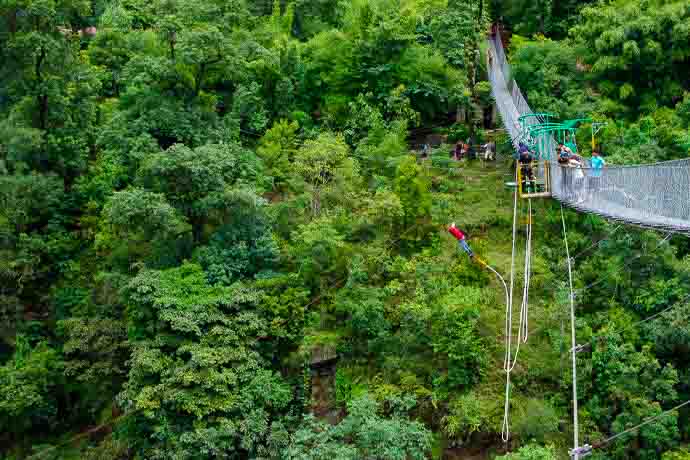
[505, 428]
[576, 442]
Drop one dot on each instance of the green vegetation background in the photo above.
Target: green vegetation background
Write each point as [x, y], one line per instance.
[198, 197]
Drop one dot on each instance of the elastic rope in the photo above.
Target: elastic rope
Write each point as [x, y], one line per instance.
[524, 307]
[505, 429]
[573, 338]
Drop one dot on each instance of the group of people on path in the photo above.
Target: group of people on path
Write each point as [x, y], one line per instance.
[465, 150]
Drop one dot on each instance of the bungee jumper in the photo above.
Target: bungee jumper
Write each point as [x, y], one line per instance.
[460, 236]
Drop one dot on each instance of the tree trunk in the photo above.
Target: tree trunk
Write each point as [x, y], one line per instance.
[199, 78]
[316, 203]
[41, 97]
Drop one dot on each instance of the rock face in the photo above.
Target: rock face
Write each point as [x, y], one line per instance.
[324, 363]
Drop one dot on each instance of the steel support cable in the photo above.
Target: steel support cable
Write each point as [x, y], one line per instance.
[627, 264]
[617, 270]
[509, 307]
[581, 253]
[528, 274]
[587, 449]
[640, 425]
[576, 442]
[678, 303]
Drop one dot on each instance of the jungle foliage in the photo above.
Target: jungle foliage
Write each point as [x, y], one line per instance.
[199, 198]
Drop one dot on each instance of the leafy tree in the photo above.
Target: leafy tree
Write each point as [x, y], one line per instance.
[413, 189]
[241, 245]
[50, 87]
[319, 251]
[634, 43]
[531, 452]
[549, 74]
[682, 454]
[362, 434]
[628, 387]
[187, 177]
[312, 17]
[198, 383]
[95, 352]
[670, 335]
[29, 383]
[326, 169]
[277, 149]
[467, 414]
[456, 339]
[138, 225]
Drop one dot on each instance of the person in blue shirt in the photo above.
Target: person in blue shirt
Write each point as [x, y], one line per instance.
[597, 165]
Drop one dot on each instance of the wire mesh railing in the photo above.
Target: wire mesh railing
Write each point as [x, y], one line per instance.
[653, 195]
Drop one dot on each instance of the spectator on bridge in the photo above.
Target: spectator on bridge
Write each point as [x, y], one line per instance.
[597, 165]
[564, 153]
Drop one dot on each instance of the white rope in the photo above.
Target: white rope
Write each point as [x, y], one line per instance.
[505, 429]
[509, 307]
[523, 328]
[576, 429]
[524, 309]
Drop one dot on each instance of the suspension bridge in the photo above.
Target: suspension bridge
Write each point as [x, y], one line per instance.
[651, 195]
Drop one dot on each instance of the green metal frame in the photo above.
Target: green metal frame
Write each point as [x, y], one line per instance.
[540, 115]
[540, 138]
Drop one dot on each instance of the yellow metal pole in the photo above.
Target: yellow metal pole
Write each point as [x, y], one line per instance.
[547, 165]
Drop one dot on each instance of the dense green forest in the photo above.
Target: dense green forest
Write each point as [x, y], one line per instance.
[216, 240]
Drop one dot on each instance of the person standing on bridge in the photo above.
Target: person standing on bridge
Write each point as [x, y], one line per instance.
[565, 153]
[571, 164]
[526, 170]
[597, 164]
